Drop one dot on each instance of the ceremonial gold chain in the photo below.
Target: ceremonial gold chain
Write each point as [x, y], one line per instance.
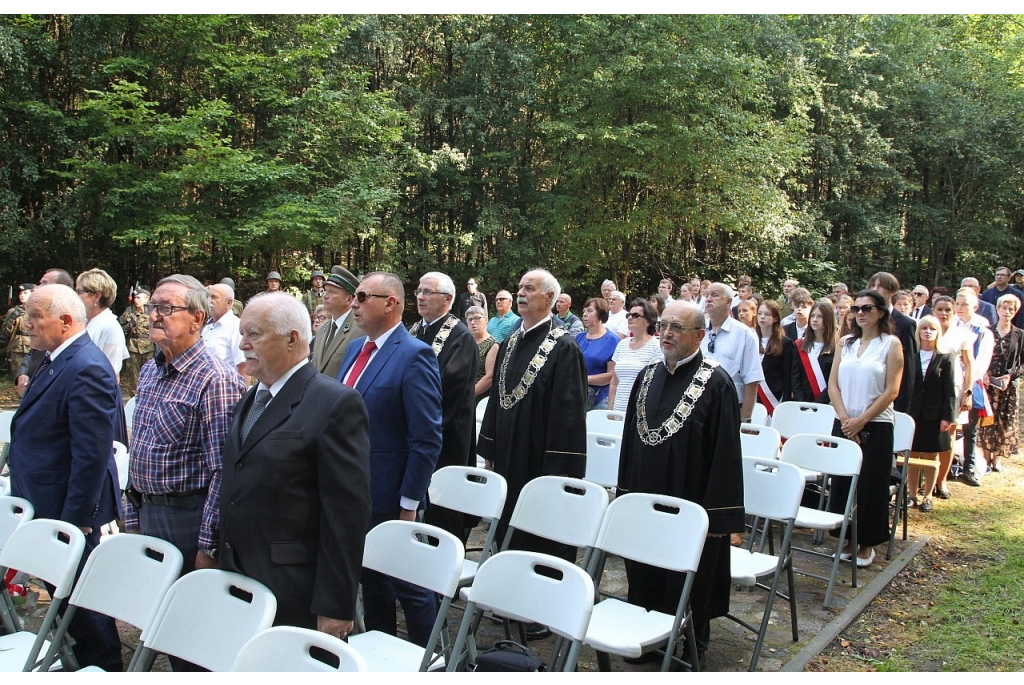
[682, 411]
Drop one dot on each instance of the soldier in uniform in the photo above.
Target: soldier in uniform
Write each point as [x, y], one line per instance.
[314, 297]
[135, 323]
[14, 342]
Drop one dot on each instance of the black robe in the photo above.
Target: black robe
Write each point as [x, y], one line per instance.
[701, 463]
[458, 362]
[545, 433]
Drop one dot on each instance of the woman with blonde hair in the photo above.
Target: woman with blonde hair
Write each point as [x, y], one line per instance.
[98, 291]
[932, 408]
[999, 438]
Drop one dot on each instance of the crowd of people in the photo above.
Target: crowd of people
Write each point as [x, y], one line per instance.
[267, 439]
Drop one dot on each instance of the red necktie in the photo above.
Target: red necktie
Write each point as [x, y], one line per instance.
[361, 361]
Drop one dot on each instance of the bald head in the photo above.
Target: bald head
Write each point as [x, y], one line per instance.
[221, 298]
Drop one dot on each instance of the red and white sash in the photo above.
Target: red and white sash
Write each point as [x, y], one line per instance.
[812, 369]
[767, 397]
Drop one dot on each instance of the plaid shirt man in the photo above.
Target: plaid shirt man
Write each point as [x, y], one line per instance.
[183, 411]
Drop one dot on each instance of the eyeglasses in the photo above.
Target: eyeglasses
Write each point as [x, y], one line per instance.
[319, 318]
[634, 315]
[425, 293]
[866, 308]
[474, 319]
[84, 291]
[499, 299]
[361, 295]
[163, 308]
[676, 327]
[916, 294]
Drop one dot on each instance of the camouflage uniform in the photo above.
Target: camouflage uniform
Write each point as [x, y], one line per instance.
[140, 347]
[312, 299]
[14, 341]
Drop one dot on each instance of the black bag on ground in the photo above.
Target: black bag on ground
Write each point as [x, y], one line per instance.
[508, 657]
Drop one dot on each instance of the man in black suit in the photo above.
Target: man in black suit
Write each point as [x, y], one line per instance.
[905, 328]
[295, 496]
[802, 302]
[457, 357]
[921, 308]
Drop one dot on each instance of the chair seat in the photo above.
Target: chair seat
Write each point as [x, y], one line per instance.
[617, 627]
[809, 476]
[821, 520]
[747, 567]
[15, 648]
[469, 568]
[386, 653]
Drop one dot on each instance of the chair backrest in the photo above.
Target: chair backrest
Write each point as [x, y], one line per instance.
[471, 490]
[823, 453]
[416, 553]
[129, 412]
[759, 441]
[121, 459]
[5, 486]
[14, 513]
[658, 530]
[791, 418]
[603, 458]
[903, 433]
[509, 584]
[284, 649]
[48, 549]
[606, 421]
[208, 615]
[5, 425]
[127, 576]
[481, 407]
[771, 489]
[759, 416]
[567, 510]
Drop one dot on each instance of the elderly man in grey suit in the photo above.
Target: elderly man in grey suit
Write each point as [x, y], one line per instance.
[334, 336]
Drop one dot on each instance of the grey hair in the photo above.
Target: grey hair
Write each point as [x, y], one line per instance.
[444, 282]
[729, 292]
[608, 281]
[476, 310]
[392, 284]
[549, 284]
[196, 298]
[285, 314]
[1007, 298]
[61, 300]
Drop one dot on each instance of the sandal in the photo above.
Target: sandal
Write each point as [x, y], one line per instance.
[942, 494]
[926, 505]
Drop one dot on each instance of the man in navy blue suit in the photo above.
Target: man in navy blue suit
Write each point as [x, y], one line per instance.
[398, 377]
[61, 444]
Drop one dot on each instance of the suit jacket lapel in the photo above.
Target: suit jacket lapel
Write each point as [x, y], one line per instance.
[381, 358]
[933, 366]
[39, 385]
[279, 409]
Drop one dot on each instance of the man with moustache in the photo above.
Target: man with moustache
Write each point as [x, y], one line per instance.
[457, 359]
[535, 423]
[682, 439]
[332, 340]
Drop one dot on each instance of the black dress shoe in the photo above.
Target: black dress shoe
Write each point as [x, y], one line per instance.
[536, 631]
[970, 479]
[702, 661]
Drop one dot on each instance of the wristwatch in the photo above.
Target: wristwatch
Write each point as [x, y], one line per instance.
[212, 553]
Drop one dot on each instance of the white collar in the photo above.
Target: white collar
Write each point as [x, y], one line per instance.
[279, 383]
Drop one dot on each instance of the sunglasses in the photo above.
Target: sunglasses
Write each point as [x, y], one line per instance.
[920, 294]
[634, 315]
[866, 308]
[361, 295]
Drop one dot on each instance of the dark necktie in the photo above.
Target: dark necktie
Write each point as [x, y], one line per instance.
[43, 366]
[361, 361]
[917, 313]
[330, 333]
[255, 411]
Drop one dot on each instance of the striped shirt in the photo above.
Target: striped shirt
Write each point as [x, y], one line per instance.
[628, 365]
[182, 413]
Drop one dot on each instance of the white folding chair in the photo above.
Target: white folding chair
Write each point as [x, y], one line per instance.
[531, 588]
[121, 459]
[287, 649]
[792, 418]
[5, 486]
[606, 421]
[759, 417]
[603, 458]
[5, 436]
[51, 551]
[125, 577]
[420, 554]
[14, 513]
[759, 441]
[656, 530]
[831, 457]
[472, 491]
[772, 490]
[481, 408]
[206, 617]
[902, 444]
[129, 413]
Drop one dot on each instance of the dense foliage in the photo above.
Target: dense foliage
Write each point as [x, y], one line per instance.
[635, 147]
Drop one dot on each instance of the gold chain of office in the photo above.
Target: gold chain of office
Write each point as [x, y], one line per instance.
[442, 334]
[507, 400]
[682, 412]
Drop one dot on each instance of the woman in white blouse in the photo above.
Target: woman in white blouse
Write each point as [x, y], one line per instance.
[98, 291]
[863, 384]
[632, 354]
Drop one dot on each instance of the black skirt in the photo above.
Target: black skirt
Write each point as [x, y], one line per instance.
[928, 438]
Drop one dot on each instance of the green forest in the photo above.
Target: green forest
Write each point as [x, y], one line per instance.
[632, 147]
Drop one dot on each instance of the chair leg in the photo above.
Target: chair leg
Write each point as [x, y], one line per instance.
[792, 597]
[604, 662]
